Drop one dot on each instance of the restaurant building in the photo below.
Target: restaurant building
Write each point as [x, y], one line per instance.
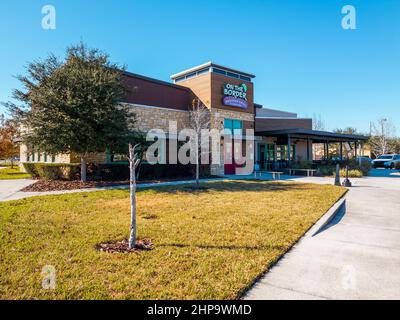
[280, 139]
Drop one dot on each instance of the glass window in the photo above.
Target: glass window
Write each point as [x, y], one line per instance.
[191, 75]
[233, 125]
[245, 78]
[202, 71]
[232, 75]
[270, 152]
[180, 79]
[219, 71]
[119, 158]
[282, 153]
[228, 124]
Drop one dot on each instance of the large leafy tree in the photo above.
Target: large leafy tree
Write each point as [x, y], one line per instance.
[72, 106]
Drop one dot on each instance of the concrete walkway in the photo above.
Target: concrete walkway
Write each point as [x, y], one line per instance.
[357, 256]
[10, 189]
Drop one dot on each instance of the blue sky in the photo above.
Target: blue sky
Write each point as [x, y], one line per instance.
[303, 59]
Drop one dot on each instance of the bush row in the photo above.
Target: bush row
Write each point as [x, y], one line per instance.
[328, 168]
[111, 172]
[354, 173]
[53, 171]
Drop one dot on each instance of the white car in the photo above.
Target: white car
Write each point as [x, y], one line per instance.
[386, 161]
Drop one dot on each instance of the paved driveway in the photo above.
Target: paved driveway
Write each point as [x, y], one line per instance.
[356, 257]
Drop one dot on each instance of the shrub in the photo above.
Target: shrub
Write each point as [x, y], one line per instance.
[365, 167]
[31, 169]
[108, 172]
[353, 173]
[53, 171]
[302, 164]
[112, 172]
[326, 170]
[59, 171]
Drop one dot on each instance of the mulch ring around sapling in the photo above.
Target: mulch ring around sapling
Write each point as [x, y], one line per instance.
[123, 246]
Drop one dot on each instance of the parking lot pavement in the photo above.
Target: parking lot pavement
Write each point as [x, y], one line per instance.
[356, 257]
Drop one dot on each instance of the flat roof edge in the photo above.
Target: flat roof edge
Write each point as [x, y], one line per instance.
[161, 82]
[210, 64]
[313, 133]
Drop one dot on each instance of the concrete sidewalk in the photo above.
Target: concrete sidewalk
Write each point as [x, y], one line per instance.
[10, 189]
[357, 256]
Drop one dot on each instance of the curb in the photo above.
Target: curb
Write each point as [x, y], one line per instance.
[327, 218]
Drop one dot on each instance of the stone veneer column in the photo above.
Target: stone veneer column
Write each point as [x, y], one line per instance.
[217, 122]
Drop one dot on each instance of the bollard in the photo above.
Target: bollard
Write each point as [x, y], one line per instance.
[346, 182]
[337, 177]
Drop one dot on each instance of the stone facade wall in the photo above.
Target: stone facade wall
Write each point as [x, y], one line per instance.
[148, 118]
[217, 122]
[218, 116]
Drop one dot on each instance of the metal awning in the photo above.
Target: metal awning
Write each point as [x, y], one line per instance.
[314, 135]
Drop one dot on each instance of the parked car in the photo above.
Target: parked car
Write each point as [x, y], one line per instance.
[364, 159]
[386, 161]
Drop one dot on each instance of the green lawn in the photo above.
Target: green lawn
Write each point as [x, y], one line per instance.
[11, 174]
[208, 245]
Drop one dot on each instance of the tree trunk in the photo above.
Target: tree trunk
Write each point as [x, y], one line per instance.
[198, 173]
[197, 161]
[83, 169]
[12, 162]
[132, 167]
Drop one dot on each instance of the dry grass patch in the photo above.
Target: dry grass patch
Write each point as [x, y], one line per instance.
[209, 244]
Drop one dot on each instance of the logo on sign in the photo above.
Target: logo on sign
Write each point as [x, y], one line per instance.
[235, 95]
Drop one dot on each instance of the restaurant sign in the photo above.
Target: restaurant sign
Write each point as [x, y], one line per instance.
[235, 95]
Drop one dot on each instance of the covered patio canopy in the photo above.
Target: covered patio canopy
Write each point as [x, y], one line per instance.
[314, 135]
[286, 136]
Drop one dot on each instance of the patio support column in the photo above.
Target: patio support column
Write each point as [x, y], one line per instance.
[308, 149]
[275, 155]
[327, 150]
[341, 151]
[289, 150]
[355, 150]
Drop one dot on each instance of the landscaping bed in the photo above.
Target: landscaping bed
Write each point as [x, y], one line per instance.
[60, 185]
[208, 244]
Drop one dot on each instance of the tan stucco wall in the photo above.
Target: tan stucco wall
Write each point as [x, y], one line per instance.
[24, 155]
